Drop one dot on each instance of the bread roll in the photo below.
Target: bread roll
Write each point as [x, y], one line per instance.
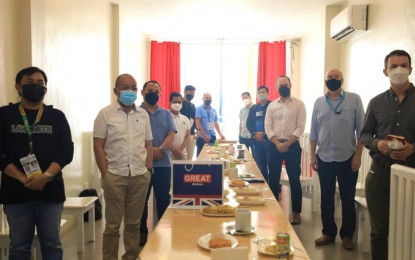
[219, 242]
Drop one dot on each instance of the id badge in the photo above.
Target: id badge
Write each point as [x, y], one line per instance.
[259, 113]
[210, 126]
[30, 165]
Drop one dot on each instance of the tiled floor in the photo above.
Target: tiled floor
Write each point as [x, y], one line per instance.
[308, 231]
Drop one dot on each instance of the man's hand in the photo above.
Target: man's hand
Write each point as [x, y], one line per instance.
[36, 182]
[282, 147]
[206, 138]
[382, 147]
[314, 162]
[177, 154]
[157, 154]
[356, 162]
[222, 137]
[259, 136]
[408, 150]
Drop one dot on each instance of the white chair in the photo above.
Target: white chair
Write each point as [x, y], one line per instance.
[309, 179]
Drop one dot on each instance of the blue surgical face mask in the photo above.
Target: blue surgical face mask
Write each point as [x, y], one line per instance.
[284, 91]
[128, 97]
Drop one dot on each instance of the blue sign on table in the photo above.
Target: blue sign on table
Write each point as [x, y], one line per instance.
[197, 184]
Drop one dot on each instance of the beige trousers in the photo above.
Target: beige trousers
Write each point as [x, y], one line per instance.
[124, 196]
[190, 149]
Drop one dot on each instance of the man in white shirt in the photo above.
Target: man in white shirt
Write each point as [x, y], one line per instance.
[284, 125]
[181, 139]
[245, 136]
[124, 155]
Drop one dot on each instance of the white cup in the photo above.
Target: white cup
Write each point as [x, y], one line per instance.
[233, 173]
[222, 150]
[243, 220]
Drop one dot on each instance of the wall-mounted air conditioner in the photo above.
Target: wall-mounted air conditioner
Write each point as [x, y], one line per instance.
[352, 18]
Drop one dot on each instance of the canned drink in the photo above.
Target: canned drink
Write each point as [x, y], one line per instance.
[283, 243]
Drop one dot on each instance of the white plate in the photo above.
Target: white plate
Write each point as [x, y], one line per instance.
[264, 244]
[203, 241]
[232, 231]
[247, 190]
[251, 201]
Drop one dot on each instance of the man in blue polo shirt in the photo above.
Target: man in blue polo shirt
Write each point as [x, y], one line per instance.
[163, 130]
[206, 123]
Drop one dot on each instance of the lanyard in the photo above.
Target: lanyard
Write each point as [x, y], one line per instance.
[27, 127]
[334, 109]
[208, 113]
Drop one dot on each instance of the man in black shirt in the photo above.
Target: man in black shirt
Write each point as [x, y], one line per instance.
[389, 113]
[32, 133]
[189, 110]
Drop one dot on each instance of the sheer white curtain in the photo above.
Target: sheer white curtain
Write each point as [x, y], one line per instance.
[225, 70]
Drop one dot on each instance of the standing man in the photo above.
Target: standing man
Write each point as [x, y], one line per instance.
[189, 110]
[284, 125]
[244, 134]
[255, 125]
[336, 124]
[181, 139]
[163, 129]
[32, 133]
[389, 113]
[206, 123]
[123, 152]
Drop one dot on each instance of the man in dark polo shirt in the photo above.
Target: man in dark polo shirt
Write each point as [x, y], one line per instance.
[389, 113]
[189, 110]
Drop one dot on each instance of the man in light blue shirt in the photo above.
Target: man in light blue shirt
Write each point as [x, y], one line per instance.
[206, 123]
[336, 123]
[163, 130]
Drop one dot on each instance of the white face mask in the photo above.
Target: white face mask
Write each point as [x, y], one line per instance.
[247, 101]
[262, 96]
[176, 107]
[398, 75]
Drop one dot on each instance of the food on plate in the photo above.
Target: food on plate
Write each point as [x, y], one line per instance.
[238, 182]
[244, 189]
[220, 209]
[271, 249]
[219, 242]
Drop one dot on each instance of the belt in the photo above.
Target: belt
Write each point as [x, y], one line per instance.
[381, 164]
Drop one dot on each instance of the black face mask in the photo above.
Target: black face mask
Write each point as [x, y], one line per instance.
[207, 102]
[151, 98]
[33, 92]
[190, 97]
[284, 91]
[333, 84]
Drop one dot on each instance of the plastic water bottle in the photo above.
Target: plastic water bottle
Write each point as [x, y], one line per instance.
[216, 143]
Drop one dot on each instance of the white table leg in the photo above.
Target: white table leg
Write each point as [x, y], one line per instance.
[91, 224]
[80, 231]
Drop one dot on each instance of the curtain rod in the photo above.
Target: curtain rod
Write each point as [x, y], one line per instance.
[216, 41]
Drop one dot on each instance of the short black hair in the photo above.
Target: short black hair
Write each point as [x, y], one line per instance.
[263, 87]
[29, 71]
[151, 81]
[189, 88]
[397, 53]
[284, 76]
[174, 94]
[245, 93]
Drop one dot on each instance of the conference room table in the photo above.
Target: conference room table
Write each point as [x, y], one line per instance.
[178, 231]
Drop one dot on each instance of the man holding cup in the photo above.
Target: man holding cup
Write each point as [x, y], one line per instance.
[389, 116]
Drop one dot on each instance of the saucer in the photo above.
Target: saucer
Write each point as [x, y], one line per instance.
[232, 231]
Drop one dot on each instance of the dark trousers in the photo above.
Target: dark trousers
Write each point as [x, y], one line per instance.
[200, 142]
[160, 181]
[292, 160]
[378, 199]
[328, 172]
[261, 157]
[246, 141]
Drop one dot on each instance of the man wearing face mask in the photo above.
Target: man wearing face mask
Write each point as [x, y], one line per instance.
[284, 125]
[32, 133]
[189, 110]
[181, 139]
[206, 123]
[336, 126]
[123, 152]
[244, 134]
[389, 113]
[255, 125]
[164, 130]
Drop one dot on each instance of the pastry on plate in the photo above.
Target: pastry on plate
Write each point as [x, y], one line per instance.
[219, 242]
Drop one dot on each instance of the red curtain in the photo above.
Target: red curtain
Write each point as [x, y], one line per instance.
[165, 68]
[271, 64]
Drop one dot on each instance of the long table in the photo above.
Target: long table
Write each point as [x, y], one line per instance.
[177, 233]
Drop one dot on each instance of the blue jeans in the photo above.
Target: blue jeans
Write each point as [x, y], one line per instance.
[200, 142]
[160, 181]
[246, 141]
[261, 157]
[292, 159]
[23, 218]
[327, 172]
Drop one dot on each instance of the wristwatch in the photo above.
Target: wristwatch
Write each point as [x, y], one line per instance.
[150, 170]
[50, 176]
[161, 148]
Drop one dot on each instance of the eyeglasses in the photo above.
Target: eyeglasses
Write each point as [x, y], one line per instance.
[126, 87]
